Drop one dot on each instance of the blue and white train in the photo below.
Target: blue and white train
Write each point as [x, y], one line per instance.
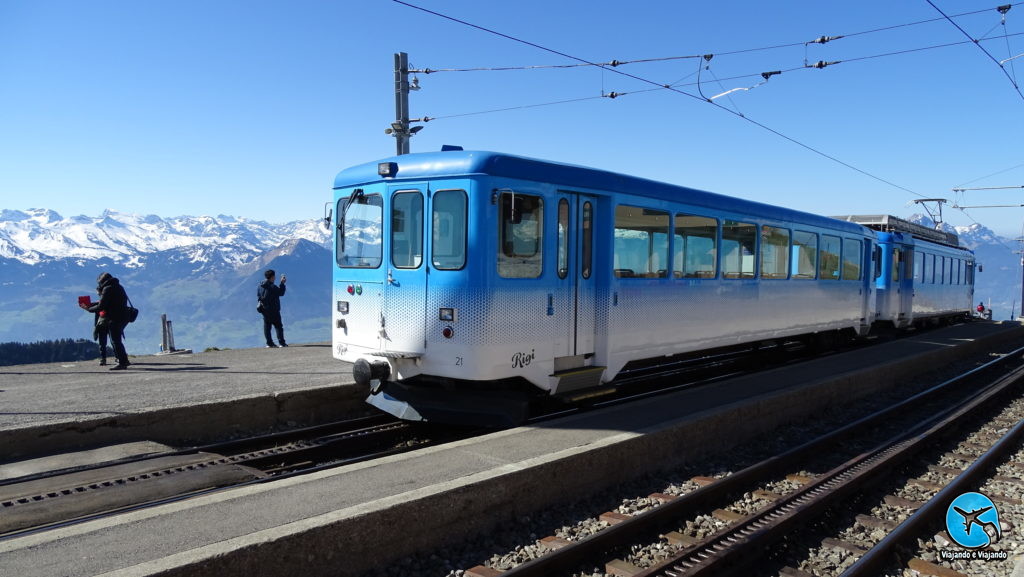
[468, 283]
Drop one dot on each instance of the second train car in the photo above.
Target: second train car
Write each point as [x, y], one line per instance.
[467, 283]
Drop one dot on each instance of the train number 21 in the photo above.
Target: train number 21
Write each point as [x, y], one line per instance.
[458, 361]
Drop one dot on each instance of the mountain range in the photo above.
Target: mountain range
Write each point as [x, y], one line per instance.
[202, 272]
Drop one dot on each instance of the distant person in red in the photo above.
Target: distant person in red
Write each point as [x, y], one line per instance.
[269, 296]
[113, 311]
[981, 309]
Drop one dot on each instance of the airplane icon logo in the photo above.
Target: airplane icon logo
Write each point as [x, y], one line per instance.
[966, 512]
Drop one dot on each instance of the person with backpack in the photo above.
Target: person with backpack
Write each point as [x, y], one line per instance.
[269, 296]
[112, 309]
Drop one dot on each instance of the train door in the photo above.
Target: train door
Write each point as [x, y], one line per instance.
[574, 267]
[905, 254]
[403, 314]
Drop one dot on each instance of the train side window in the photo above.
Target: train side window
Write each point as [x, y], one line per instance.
[521, 236]
[805, 255]
[448, 222]
[696, 248]
[828, 265]
[563, 238]
[407, 229]
[739, 246]
[641, 242]
[852, 259]
[586, 256]
[360, 220]
[918, 266]
[897, 259]
[774, 252]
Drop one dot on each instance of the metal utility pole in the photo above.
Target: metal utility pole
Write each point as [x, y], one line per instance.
[400, 127]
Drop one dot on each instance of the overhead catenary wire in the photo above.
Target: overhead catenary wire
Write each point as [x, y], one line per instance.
[990, 175]
[615, 63]
[980, 47]
[667, 87]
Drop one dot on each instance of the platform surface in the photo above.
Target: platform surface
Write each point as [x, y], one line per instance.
[334, 522]
[53, 400]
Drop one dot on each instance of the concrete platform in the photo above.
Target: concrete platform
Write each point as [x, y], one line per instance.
[173, 399]
[341, 522]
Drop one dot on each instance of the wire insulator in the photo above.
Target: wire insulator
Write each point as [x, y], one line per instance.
[1004, 8]
[767, 75]
[824, 39]
[821, 64]
[708, 57]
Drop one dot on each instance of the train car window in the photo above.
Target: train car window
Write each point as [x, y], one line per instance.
[852, 260]
[563, 238]
[587, 253]
[448, 235]
[805, 255]
[360, 222]
[521, 236]
[641, 243]
[918, 267]
[897, 259]
[828, 265]
[696, 248]
[739, 246]
[407, 229]
[774, 252]
[738, 249]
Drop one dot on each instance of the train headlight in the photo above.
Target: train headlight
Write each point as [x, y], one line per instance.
[446, 315]
[343, 307]
[351, 289]
[448, 332]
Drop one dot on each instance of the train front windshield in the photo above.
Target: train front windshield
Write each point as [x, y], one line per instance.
[359, 232]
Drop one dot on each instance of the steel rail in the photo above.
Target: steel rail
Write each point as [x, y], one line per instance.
[249, 444]
[737, 547]
[288, 472]
[579, 552]
[873, 562]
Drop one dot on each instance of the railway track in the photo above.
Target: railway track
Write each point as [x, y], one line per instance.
[758, 515]
[62, 496]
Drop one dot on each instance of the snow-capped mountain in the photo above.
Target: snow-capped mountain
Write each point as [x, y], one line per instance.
[210, 243]
[202, 271]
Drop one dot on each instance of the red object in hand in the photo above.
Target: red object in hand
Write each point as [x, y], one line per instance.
[84, 301]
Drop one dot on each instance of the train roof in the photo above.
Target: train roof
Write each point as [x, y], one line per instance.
[890, 223]
[460, 163]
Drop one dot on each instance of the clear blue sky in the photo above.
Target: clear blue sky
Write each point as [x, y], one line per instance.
[250, 108]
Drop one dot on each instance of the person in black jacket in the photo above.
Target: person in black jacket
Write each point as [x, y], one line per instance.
[269, 296]
[113, 311]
